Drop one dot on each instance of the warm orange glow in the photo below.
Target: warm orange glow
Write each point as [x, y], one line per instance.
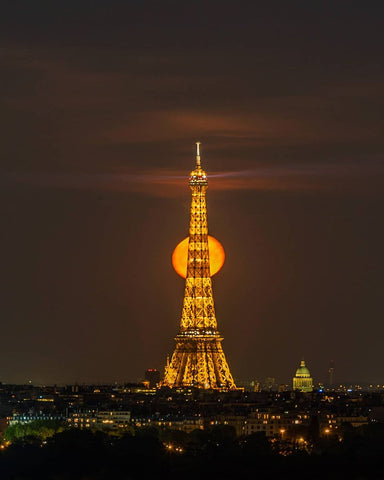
[180, 256]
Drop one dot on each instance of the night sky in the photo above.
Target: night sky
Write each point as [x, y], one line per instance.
[101, 104]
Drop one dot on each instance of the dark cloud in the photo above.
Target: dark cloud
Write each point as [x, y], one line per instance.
[333, 176]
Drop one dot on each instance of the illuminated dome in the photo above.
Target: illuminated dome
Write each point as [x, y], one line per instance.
[302, 380]
[302, 371]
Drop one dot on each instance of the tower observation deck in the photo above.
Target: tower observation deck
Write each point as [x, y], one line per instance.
[198, 360]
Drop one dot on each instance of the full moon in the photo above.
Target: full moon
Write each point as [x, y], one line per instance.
[180, 256]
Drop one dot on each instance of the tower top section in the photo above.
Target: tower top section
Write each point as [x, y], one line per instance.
[198, 177]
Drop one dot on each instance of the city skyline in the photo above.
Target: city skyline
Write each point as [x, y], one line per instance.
[100, 110]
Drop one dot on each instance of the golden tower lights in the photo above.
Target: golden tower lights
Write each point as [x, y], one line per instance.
[198, 360]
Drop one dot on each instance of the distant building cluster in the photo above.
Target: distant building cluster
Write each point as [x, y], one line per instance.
[276, 414]
[274, 410]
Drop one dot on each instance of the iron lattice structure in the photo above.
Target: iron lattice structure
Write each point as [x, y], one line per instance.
[198, 360]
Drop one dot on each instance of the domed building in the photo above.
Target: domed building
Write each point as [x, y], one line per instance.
[302, 381]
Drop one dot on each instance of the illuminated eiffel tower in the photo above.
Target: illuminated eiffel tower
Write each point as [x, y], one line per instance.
[198, 360]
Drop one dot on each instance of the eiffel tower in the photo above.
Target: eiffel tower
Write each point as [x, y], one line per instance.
[198, 360]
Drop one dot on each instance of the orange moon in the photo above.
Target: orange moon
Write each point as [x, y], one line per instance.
[180, 256]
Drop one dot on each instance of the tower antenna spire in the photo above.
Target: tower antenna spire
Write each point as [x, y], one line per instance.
[198, 164]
